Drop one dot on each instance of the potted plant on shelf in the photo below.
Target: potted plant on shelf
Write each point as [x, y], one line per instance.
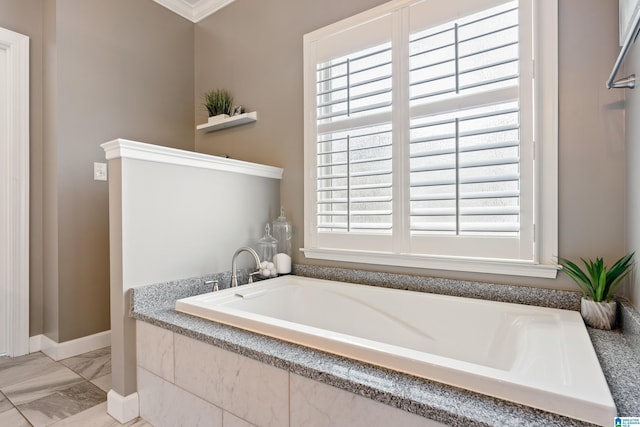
[598, 285]
[218, 103]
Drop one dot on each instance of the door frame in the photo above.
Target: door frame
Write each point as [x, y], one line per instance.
[14, 269]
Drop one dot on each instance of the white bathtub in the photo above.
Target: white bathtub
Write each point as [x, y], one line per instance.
[540, 357]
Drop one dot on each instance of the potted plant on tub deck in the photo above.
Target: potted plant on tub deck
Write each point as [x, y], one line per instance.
[598, 285]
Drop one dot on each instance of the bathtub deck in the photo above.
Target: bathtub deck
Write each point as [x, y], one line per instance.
[535, 356]
[450, 405]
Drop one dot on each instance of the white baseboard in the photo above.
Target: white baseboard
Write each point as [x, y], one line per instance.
[35, 343]
[122, 408]
[63, 350]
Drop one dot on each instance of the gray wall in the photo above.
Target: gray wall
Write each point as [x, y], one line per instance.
[254, 49]
[632, 65]
[100, 69]
[137, 59]
[124, 69]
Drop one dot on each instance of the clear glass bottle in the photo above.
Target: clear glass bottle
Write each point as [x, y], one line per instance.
[282, 233]
[267, 247]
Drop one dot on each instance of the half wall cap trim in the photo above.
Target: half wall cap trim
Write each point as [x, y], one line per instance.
[126, 149]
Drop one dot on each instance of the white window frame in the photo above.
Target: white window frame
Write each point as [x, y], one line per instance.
[545, 153]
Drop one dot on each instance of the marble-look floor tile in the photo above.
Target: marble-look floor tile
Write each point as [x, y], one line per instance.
[97, 417]
[104, 382]
[91, 365]
[15, 370]
[43, 382]
[13, 418]
[62, 403]
[230, 420]
[5, 405]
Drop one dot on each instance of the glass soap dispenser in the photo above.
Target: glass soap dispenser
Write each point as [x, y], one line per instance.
[267, 248]
[282, 233]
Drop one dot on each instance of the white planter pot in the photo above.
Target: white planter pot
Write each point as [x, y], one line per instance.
[601, 315]
[218, 118]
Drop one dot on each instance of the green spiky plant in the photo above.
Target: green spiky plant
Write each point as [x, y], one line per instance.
[218, 101]
[596, 281]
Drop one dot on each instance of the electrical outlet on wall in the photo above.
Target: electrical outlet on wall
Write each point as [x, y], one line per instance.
[99, 171]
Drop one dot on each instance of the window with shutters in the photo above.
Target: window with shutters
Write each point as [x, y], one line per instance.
[430, 137]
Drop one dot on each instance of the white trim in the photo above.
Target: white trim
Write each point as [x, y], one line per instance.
[123, 408]
[546, 144]
[205, 8]
[537, 251]
[474, 265]
[627, 11]
[15, 273]
[35, 343]
[123, 148]
[64, 350]
[195, 12]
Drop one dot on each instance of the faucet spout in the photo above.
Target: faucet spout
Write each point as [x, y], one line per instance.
[234, 277]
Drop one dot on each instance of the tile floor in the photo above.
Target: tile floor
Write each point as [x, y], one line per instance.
[37, 391]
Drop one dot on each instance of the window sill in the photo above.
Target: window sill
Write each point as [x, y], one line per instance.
[489, 266]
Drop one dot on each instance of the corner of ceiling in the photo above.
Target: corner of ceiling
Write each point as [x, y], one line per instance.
[194, 10]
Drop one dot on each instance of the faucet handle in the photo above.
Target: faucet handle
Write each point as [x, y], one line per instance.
[251, 276]
[214, 283]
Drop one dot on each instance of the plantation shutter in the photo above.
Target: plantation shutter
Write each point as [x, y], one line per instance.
[419, 142]
[465, 174]
[354, 138]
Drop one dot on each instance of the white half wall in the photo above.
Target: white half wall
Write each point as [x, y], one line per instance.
[175, 214]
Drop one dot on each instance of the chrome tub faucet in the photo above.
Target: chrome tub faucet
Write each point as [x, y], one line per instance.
[234, 277]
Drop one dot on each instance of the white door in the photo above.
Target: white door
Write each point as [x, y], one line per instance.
[4, 256]
[14, 193]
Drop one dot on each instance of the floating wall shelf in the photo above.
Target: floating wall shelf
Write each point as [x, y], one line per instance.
[241, 119]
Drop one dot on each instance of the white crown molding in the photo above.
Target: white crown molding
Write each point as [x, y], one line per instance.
[194, 11]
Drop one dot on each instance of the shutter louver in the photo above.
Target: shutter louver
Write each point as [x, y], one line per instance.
[465, 163]
[354, 181]
[354, 173]
[419, 134]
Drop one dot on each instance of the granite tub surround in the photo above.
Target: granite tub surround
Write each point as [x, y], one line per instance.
[629, 320]
[151, 297]
[432, 401]
[514, 352]
[619, 354]
[551, 298]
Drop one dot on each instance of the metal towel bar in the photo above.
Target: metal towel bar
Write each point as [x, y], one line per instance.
[629, 81]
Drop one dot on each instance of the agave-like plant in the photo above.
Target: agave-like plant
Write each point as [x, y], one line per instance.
[596, 281]
[218, 101]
